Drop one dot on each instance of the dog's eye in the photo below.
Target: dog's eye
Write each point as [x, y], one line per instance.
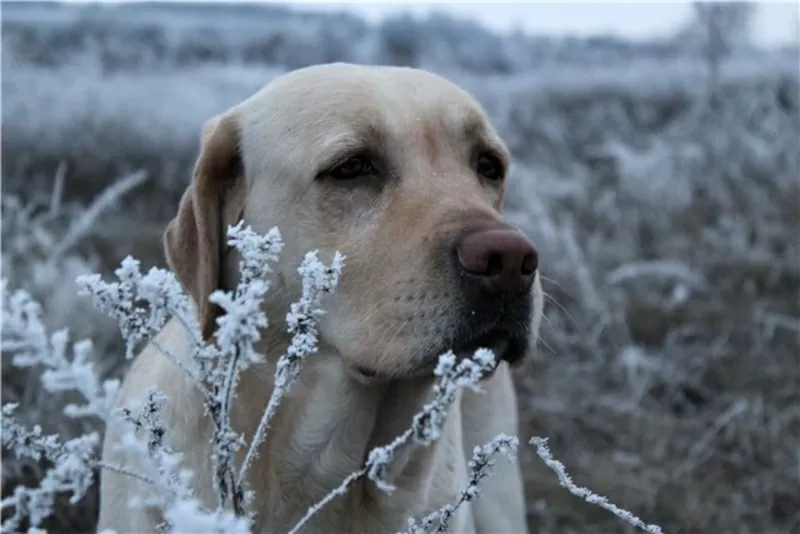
[490, 167]
[354, 167]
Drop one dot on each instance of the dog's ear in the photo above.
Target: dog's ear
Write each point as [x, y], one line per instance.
[196, 239]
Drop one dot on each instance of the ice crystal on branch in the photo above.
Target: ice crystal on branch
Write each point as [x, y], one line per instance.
[142, 304]
[71, 471]
[25, 337]
[585, 493]
[302, 325]
[425, 426]
[480, 467]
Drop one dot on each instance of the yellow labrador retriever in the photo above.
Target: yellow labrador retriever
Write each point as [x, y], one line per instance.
[401, 171]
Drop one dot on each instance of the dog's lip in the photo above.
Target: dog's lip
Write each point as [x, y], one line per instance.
[497, 346]
[494, 339]
[366, 372]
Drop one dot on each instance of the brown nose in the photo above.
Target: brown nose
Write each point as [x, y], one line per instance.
[502, 260]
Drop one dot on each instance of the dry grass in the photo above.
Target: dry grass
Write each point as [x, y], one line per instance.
[668, 377]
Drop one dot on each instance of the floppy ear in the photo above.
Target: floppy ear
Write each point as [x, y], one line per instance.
[195, 240]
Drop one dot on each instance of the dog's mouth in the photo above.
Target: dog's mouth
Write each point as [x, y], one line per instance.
[366, 373]
[501, 327]
[505, 345]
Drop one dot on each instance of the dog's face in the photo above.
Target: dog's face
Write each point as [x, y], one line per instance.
[400, 171]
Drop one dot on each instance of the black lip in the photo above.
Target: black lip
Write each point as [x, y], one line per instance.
[507, 346]
[488, 339]
[513, 349]
[487, 322]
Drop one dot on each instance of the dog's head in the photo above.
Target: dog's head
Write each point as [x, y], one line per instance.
[398, 169]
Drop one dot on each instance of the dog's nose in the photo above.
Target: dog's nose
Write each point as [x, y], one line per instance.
[501, 260]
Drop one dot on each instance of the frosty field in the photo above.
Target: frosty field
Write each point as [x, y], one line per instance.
[668, 377]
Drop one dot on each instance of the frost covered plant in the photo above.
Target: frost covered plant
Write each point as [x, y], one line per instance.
[216, 368]
[74, 462]
[480, 467]
[451, 377]
[237, 332]
[147, 420]
[25, 336]
[142, 304]
[585, 493]
[302, 320]
[170, 485]
[71, 472]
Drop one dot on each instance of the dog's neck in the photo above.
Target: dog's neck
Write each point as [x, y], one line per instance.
[323, 431]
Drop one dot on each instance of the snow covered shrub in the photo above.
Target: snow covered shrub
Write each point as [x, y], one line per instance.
[44, 248]
[142, 304]
[40, 237]
[666, 226]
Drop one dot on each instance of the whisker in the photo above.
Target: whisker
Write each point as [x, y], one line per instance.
[550, 298]
[555, 283]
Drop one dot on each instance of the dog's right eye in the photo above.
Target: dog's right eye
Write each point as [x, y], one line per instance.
[352, 168]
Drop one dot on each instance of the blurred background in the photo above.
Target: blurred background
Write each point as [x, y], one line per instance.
[656, 167]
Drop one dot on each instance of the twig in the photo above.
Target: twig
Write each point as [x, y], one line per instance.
[302, 320]
[126, 472]
[691, 460]
[58, 189]
[480, 466]
[585, 493]
[658, 269]
[340, 490]
[107, 198]
[451, 377]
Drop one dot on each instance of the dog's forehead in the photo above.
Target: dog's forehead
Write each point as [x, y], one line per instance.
[326, 98]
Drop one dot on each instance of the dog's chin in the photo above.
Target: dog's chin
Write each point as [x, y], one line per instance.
[369, 376]
[506, 347]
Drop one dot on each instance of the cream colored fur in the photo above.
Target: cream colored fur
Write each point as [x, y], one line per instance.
[261, 161]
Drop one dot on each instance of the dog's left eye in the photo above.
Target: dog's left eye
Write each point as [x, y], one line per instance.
[354, 167]
[490, 167]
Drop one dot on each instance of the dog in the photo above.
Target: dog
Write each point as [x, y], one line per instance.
[402, 172]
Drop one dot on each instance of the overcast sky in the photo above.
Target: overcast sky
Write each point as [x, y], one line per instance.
[776, 22]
